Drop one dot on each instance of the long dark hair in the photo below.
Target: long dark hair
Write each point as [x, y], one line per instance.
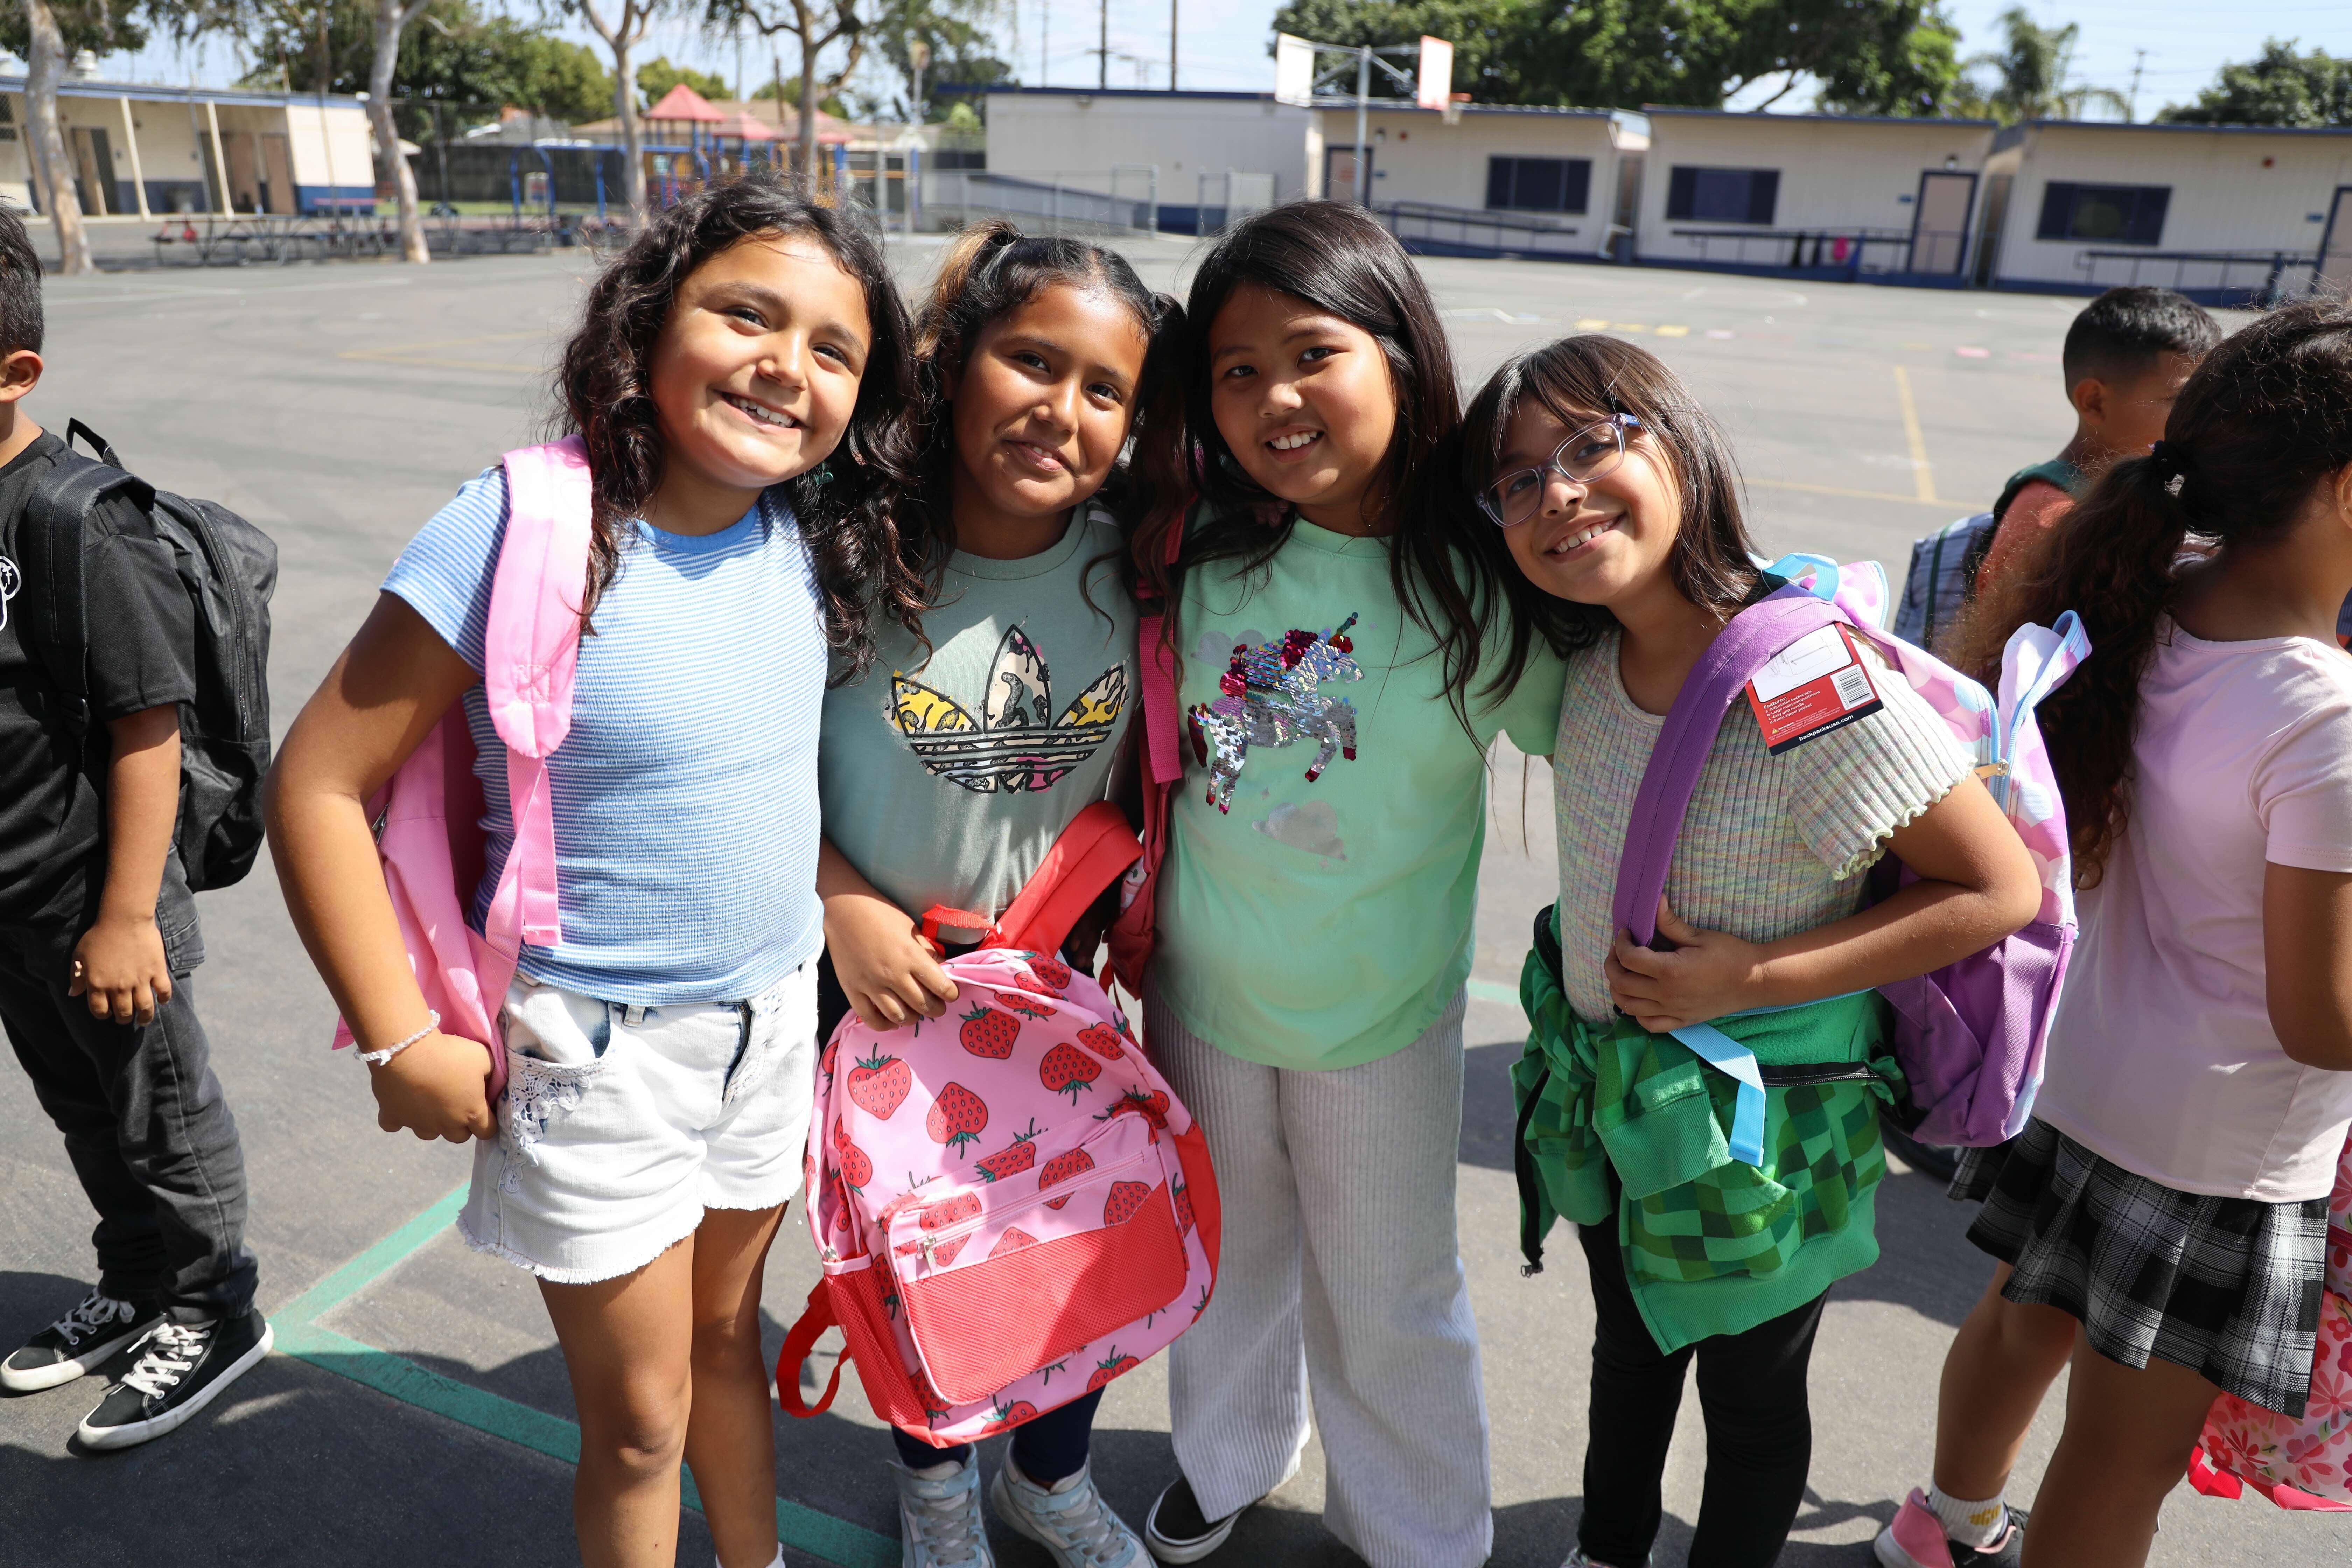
[992, 270]
[2262, 420]
[1337, 258]
[1573, 379]
[605, 387]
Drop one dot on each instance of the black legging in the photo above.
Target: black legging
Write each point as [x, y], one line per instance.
[1760, 1427]
[1047, 1448]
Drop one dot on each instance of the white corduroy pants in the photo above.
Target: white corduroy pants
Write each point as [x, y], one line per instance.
[1339, 1279]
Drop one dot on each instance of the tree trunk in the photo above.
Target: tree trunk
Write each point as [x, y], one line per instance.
[48, 142]
[808, 115]
[391, 164]
[633, 136]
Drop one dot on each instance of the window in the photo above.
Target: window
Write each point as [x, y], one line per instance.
[1721, 196]
[1539, 185]
[2119, 214]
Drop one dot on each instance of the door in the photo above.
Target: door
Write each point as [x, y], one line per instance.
[1940, 225]
[277, 173]
[1340, 175]
[2335, 246]
[1620, 244]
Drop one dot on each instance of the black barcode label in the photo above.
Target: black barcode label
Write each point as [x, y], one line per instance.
[1852, 686]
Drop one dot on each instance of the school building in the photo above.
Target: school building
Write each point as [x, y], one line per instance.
[138, 151]
[2223, 213]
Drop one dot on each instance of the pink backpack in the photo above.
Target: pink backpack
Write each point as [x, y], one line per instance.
[1970, 1036]
[428, 816]
[1011, 1208]
[2302, 1463]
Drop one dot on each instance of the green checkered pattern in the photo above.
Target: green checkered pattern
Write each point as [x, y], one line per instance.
[1620, 1099]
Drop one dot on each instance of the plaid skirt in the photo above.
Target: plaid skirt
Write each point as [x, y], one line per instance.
[2228, 1288]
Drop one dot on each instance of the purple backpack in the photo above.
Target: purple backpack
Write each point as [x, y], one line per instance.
[1969, 1036]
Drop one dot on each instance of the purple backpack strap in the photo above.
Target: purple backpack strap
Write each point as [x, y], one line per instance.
[1754, 638]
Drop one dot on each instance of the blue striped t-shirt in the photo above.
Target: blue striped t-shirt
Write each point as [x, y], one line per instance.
[685, 794]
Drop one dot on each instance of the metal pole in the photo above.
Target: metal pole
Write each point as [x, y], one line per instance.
[1363, 136]
[1171, 46]
[1102, 54]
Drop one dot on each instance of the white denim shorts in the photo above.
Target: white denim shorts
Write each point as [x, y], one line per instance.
[621, 1124]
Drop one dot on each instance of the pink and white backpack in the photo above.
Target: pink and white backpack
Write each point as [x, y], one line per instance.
[1970, 1036]
[1011, 1208]
[428, 815]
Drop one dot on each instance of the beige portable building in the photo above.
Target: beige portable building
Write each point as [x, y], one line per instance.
[140, 150]
[2226, 214]
[1854, 195]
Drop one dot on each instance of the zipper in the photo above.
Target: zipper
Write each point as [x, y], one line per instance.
[198, 524]
[1806, 1074]
[926, 1244]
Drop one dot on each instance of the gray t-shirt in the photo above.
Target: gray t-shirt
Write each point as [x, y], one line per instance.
[946, 775]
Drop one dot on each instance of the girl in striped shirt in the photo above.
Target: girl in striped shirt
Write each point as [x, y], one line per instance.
[661, 1055]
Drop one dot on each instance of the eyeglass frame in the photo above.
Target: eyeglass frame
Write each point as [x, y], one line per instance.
[1620, 425]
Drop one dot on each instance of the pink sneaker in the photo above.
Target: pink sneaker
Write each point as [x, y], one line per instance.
[1917, 1540]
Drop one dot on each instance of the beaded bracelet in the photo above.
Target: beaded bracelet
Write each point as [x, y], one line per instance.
[377, 1058]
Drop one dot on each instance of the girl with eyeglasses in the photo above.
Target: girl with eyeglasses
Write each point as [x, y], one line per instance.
[1613, 496]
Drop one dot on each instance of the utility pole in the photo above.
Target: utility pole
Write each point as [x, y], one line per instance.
[1171, 46]
[1102, 51]
[1363, 106]
[2131, 104]
[1045, 37]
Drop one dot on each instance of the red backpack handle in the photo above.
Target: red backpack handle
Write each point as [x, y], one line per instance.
[798, 1342]
[1094, 851]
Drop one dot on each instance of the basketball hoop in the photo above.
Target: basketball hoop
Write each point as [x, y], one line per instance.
[1454, 104]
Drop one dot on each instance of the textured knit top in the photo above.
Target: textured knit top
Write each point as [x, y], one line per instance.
[1770, 845]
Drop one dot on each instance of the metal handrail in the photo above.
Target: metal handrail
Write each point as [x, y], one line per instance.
[1485, 230]
[2276, 266]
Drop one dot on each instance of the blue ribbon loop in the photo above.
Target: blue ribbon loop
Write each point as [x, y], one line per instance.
[1727, 1055]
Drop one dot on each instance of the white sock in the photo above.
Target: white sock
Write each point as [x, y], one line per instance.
[775, 1562]
[1971, 1523]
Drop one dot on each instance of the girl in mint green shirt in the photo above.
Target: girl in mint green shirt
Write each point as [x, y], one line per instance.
[1342, 670]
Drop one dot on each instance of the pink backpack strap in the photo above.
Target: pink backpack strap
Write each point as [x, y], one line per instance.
[531, 653]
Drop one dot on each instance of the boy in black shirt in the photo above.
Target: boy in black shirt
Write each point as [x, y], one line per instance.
[98, 939]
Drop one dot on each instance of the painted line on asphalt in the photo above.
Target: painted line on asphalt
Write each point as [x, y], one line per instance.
[1921, 473]
[799, 1527]
[1488, 991]
[1755, 483]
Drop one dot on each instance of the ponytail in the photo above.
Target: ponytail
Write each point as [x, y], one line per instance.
[2263, 420]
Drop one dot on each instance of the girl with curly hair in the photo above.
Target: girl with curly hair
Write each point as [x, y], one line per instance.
[2161, 1222]
[736, 381]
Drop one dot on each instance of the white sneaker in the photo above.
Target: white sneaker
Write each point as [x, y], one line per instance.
[1069, 1518]
[940, 1524]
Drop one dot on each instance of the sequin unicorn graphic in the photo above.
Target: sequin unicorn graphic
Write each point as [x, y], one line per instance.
[1270, 696]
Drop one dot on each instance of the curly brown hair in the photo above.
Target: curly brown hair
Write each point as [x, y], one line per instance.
[844, 506]
[2262, 421]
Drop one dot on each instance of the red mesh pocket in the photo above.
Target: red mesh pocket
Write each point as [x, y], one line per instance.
[984, 1326]
[890, 1388]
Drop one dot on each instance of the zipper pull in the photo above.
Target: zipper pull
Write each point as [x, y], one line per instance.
[925, 1246]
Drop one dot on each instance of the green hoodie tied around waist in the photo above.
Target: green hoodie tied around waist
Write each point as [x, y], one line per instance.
[1616, 1119]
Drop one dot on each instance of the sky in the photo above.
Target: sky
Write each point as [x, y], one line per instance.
[2176, 46]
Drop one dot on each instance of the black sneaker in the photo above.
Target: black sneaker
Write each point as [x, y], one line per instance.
[182, 1369]
[1177, 1532]
[78, 1342]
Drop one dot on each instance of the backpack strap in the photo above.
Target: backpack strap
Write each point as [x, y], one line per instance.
[1754, 638]
[2057, 471]
[798, 1343]
[1094, 851]
[51, 541]
[531, 653]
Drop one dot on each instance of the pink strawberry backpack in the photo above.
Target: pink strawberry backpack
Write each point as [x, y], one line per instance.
[1011, 1208]
[428, 816]
[1970, 1036]
[2305, 1463]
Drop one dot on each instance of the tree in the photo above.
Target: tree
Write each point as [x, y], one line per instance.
[657, 76]
[392, 19]
[623, 32]
[2030, 75]
[1884, 57]
[818, 24]
[452, 53]
[46, 34]
[958, 50]
[2280, 87]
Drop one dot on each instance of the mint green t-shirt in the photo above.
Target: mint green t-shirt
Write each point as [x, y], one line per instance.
[1323, 866]
[946, 775]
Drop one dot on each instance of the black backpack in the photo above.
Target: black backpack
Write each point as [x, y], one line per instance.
[229, 568]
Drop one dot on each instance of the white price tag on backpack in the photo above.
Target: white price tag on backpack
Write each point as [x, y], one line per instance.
[1816, 684]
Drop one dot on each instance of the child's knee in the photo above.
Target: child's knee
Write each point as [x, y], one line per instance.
[727, 1343]
[642, 1427]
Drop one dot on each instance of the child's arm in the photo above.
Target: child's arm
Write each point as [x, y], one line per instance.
[1977, 884]
[884, 967]
[377, 704]
[118, 964]
[2307, 963]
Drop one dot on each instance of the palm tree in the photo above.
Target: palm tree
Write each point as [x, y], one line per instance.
[2030, 75]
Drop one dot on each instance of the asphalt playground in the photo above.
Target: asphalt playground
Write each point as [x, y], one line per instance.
[417, 1410]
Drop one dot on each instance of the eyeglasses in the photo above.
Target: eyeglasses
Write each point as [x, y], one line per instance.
[1580, 459]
